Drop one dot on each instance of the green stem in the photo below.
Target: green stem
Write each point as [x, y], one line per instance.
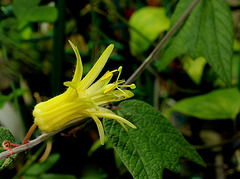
[58, 49]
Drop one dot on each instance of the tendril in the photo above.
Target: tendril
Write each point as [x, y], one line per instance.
[7, 146]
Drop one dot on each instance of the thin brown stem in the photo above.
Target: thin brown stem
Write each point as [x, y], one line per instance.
[33, 127]
[161, 43]
[38, 140]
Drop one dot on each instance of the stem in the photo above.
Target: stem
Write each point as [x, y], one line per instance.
[33, 127]
[161, 43]
[39, 139]
[58, 49]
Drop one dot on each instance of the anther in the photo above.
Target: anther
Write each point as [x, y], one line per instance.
[108, 75]
[110, 88]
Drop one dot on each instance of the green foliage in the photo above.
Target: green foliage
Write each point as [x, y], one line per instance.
[30, 11]
[207, 32]
[145, 21]
[217, 104]
[51, 176]
[26, 52]
[154, 145]
[39, 168]
[14, 94]
[194, 68]
[5, 134]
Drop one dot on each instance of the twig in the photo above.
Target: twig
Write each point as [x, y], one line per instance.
[26, 146]
[161, 43]
[38, 140]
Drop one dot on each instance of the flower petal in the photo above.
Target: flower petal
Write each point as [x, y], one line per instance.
[105, 113]
[99, 126]
[96, 69]
[79, 68]
[71, 84]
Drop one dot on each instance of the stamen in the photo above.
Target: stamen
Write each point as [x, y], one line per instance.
[108, 75]
[111, 87]
[115, 85]
[117, 82]
[119, 73]
[120, 82]
[132, 86]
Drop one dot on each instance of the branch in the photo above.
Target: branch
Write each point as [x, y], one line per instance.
[26, 146]
[161, 43]
[38, 140]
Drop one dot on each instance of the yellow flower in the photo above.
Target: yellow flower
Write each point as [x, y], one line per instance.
[84, 98]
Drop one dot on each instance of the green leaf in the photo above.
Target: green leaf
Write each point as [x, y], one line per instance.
[26, 10]
[194, 68]
[155, 144]
[40, 168]
[150, 21]
[5, 134]
[218, 104]
[207, 32]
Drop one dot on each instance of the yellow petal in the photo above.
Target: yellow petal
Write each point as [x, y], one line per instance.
[71, 84]
[99, 126]
[79, 68]
[123, 126]
[110, 88]
[96, 69]
[111, 115]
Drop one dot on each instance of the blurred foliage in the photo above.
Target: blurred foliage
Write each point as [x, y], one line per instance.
[27, 31]
[145, 28]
